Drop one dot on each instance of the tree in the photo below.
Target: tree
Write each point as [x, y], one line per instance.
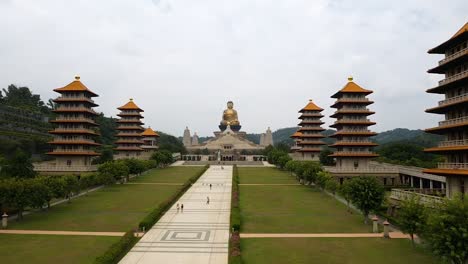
[19, 166]
[322, 178]
[116, 169]
[70, 186]
[135, 166]
[331, 185]
[162, 157]
[345, 191]
[367, 194]
[412, 217]
[282, 160]
[311, 169]
[325, 158]
[447, 230]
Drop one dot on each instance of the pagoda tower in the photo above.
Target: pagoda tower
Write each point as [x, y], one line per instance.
[73, 137]
[297, 139]
[310, 127]
[150, 142]
[454, 107]
[268, 139]
[129, 139]
[353, 147]
[195, 139]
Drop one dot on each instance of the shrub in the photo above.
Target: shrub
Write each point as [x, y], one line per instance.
[118, 249]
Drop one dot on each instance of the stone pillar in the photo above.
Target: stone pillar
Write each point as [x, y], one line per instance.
[375, 224]
[4, 220]
[386, 229]
[411, 182]
[431, 186]
[420, 183]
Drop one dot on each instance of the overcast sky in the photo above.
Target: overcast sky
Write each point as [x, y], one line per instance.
[182, 60]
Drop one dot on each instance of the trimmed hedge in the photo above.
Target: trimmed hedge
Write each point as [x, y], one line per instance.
[118, 250]
[234, 241]
[159, 211]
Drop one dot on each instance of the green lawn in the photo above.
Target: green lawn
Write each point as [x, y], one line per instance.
[264, 175]
[291, 209]
[114, 208]
[40, 249]
[332, 251]
[169, 175]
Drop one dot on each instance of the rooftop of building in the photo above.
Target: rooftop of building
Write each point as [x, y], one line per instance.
[351, 87]
[310, 107]
[76, 86]
[130, 106]
[149, 133]
[460, 35]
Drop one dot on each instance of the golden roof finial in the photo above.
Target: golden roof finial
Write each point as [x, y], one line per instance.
[350, 78]
[310, 100]
[77, 77]
[131, 99]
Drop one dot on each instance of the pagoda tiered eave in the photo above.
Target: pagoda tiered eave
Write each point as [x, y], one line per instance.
[73, 153]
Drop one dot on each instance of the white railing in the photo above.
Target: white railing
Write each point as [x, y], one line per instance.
[429, 200]
[80, 119]
[83, 109]
[454, 121]
[365, 120]
[72, 130]
[354, 109]
[353, 152]
[453, 78]
[453, 99]
[75, 98]
[351, 99]
[454, 166]
[55, 168]
[57, 140]
[353, 141]
[354, 130]
[453, 56]
[450, 143]
[361, 170]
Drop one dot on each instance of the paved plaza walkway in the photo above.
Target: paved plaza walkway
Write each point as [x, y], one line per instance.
[198, 234]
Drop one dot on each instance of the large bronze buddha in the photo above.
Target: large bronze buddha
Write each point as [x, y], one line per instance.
[230, 118]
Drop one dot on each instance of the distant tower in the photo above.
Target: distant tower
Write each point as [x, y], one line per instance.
[353, 147]
[310, 130]
[129, 139]
[262, 139]
[195, 139]
[150, 139]
[268, 138]
[73, 138]
[187, 140]
[453, 107]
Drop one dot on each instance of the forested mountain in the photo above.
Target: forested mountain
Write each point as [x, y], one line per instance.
[417, 137]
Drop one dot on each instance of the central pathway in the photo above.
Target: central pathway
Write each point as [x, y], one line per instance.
[199, 234]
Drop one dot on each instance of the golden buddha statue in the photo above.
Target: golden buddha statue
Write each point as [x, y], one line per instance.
[230, 116]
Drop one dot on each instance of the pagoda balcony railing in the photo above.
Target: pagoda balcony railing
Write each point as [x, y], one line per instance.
[428, 200]
[354, 141]
[354, 130]
[454, 56]
[83, 109]
[73, 140]
[354, 109]
[453, 99]
[58, 119]
[360, 170]
[454, 121]
[352, 120]
[70, 130]
[452, 143]
[75, 98]
[453, 78]
[51, 167]
[73, 150]
[353, 152]
[452, 166]
[353, 99]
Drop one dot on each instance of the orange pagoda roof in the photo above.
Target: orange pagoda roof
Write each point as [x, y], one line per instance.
[149, 133]
[297, 134]
[130, 106]
[310, 107]
[351, 87]
[460, 34]
[75, 86]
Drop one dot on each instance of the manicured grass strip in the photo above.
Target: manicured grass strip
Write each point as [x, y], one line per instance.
[114, 208]
[169, 175]
[235, 221]
[45, 249]
[295, 209]
[264, 175]
[332, 251]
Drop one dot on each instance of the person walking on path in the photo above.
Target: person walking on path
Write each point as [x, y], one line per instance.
[178, 207]
[182, 208]
[210, 186]
[207, 200]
